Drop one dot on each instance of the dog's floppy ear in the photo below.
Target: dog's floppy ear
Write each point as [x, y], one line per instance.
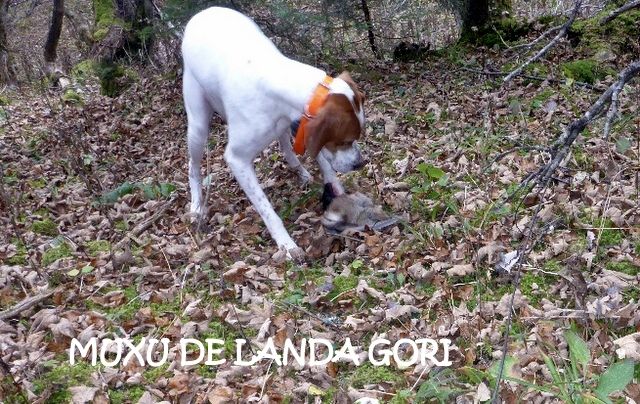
[335, 123]
[321, 129]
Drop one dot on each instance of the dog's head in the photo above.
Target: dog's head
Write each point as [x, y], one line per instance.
[334, 132]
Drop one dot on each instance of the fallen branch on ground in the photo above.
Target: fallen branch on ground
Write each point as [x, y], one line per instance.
[139, 228]
[24, 305]
[530, 77]
[541, 179]
[543, 51]
[615, 13]
[562, 145]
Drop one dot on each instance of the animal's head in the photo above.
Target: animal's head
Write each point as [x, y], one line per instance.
[334, 132]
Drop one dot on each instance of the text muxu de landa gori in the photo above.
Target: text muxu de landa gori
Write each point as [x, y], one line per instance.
[314, 351]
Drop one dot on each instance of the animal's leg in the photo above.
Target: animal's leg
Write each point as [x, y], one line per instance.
[292, 160]
[239, 155]
[198, 117]
[329, 175]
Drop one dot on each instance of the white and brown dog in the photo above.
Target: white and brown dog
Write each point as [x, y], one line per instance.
[233, 69]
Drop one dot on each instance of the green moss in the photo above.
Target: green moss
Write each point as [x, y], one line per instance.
[586, 70]
[60, 375]
[37, 183]
[4, 101]
[83, 70]
[106, 17]
[610, 236]
[369, 374]
[72, 97]
[112, 78]
[624, 267]
[121, 226]
[97, 246]
[504, 30]
[128, 394]
[20, 258]
[527, 289]
[55, 253]
[341, 284]
[45, 227]
[552, 266]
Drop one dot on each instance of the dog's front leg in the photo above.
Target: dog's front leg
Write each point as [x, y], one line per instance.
[241, 165]
[292, 160]
[329, 175]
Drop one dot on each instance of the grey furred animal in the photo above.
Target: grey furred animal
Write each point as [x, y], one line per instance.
[355, 212]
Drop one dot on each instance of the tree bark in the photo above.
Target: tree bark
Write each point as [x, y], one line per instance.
[55, 29]
[120, 25]
[7, 74]
[372, 37]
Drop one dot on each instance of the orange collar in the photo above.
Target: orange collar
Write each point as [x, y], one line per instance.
[310, 111]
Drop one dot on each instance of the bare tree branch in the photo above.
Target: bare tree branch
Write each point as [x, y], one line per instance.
[542, 178]
[562, 145]
[543, 51]
[527, 46]
[615, 13]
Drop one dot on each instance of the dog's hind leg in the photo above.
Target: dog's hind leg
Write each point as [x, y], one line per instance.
[199, 114]
[292, 160]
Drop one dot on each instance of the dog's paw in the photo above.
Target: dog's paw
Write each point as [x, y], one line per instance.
[292, 254]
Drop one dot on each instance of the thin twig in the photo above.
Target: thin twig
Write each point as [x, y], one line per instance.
[531, 44]
[24, 305]
[554, 41]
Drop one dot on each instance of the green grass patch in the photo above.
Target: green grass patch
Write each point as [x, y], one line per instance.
[37, 183]
[625, 267]
[342, 284]
[529, 279]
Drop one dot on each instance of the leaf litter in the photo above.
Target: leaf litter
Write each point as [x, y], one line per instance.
[443, 273]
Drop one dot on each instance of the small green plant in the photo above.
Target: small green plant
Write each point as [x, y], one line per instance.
[431, 184]
[60, 375]
[625, 267]
[574, 382]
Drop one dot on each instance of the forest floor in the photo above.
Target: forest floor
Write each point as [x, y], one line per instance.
[95, 201]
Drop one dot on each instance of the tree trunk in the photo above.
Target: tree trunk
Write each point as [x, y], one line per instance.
[372, 38]
[121, 27]
[55, 29]
[475, 15]
[478, 17]
[7, 74]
